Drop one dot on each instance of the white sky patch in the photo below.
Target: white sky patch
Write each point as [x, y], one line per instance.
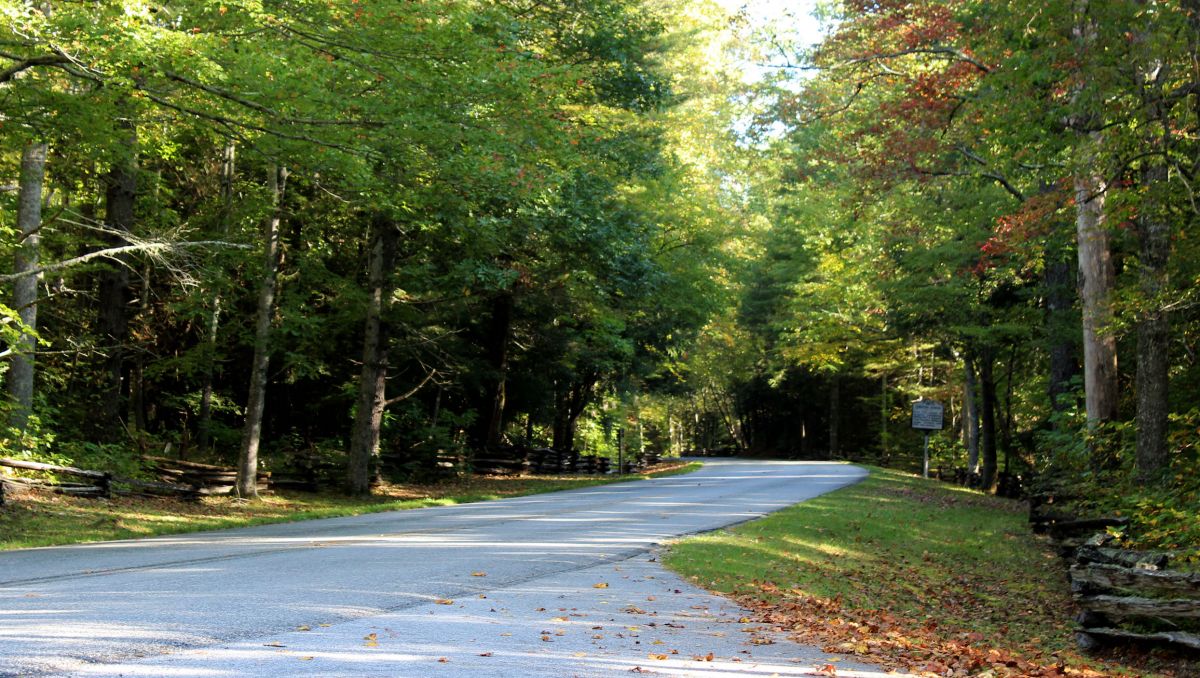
[794, 21]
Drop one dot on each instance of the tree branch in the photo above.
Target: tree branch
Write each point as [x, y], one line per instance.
[113, 252]
[31, 62]
[936, 51]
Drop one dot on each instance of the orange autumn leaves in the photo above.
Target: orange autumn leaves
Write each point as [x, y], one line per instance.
[923, 648]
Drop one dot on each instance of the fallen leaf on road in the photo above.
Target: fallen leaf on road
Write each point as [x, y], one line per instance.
[303, 628]
[443, 660]
[601, 585]
[444, 601]
[560, 619]
[306, 659]
[372, 640]
[659, 657]
[479, 574]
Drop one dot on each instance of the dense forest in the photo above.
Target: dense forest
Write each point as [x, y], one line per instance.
[383, 233]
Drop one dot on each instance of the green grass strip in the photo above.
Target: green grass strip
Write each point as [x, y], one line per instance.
[946, 570]
[42, 520]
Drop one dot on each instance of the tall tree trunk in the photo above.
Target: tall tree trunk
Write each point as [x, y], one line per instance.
[204, 426]
[1153, 329]
[372, 384]
[1092, 238]
[570, 402]
[987, 384]
[1006, 440]
[1096, 277]
[1061, 326]
[247, 485]
[1154, 244]
[970, 413]
[490, 427]
[835, 415]
[25, 290]
[114, 293]
[137, 382]
[883, 418]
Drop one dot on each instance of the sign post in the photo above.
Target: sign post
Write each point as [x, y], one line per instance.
[927, 416]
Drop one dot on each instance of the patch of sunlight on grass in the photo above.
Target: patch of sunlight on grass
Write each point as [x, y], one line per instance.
[825, 548]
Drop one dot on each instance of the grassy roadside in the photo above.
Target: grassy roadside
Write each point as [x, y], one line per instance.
[909, 574]
[48, 520]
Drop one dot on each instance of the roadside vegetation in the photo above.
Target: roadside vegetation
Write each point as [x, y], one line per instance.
[48, 520]
[911, 574]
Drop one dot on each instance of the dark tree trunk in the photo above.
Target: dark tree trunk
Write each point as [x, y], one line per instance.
[569, 402]
[204, 426]
[970, 413]
[1153, 336]
[987, 384]
[247, 477]
[137, 383]
[490, 426]
[1061, 324]
[372, 396]
[1154, 245]
[835, 415]
[113, 295]
[25, 290]
[883, 418]
[1007, 437]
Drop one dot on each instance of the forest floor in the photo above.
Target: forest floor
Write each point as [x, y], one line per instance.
[48, 520]
[911, 574]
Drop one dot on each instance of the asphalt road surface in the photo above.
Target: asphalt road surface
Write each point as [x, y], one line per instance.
[563, 584]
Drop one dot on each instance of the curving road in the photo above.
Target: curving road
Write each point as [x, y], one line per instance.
[560, 584]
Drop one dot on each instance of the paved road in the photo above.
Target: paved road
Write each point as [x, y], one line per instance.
[550, 585]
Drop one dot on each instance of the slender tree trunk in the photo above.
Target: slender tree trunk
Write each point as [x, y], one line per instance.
[970, 414]
[1061, 325]
[247, 479]
[570, 402]
[883, 417]
[25, 290]
[490, 427]
[114, 293]
[835, 415]
[987, 379]
[1006, 440]
[204, 426]
[372, 396]
[1154, 243]
[137, 383]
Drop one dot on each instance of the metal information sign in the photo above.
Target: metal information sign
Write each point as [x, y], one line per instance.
[927, 415]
